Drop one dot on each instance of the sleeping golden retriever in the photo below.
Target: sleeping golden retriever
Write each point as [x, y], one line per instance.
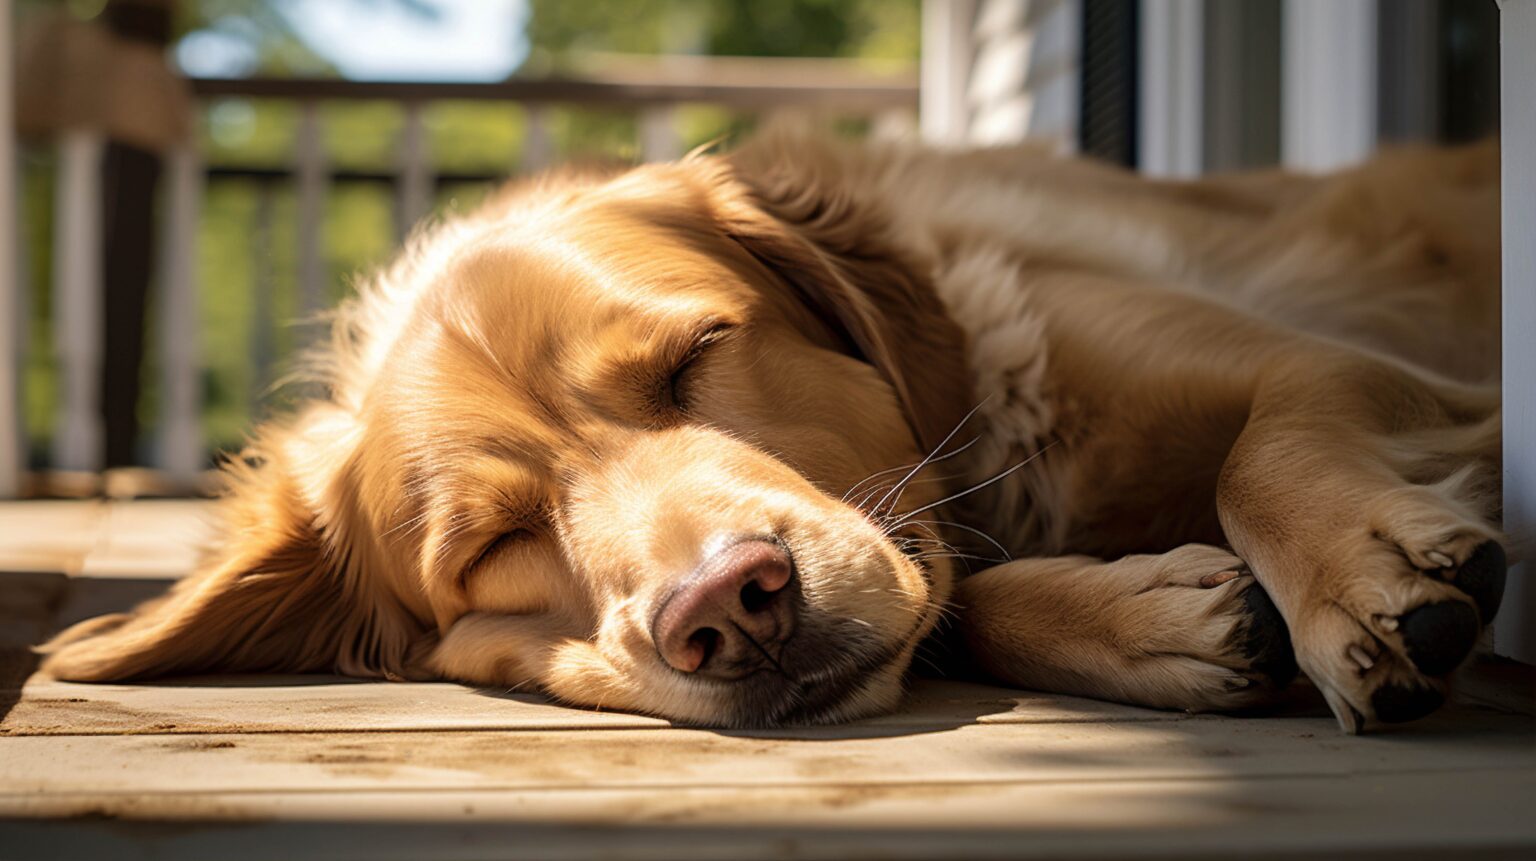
[725, 440]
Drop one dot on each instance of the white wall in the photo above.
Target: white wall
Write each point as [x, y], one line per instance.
[1515, 630]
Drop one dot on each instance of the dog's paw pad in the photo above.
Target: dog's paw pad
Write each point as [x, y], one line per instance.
[1267, 641]
[1482, 578]
[1439, 636]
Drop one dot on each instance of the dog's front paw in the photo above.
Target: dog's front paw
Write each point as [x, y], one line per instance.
[1395, 614]
[1206, 635]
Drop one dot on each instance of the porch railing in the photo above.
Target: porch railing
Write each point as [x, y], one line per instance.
[653, 92]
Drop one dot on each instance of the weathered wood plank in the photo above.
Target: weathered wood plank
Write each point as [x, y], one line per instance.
[1473, 814]
[48, 536]
[325, 767]
[149, 538]
[320, 703]
[286, 704]
[862, 755]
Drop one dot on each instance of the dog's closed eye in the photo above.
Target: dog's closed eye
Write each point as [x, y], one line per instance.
[677, 388]
[502, 543]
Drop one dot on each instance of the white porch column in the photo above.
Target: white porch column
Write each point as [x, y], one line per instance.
[10, 285]
[1171, 118]
[1514, 632]
[180, 449]
[77, 323]
[1025, 73]
[1328, 83]
[947, 55]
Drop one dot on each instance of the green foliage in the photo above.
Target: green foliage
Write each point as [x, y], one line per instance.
[248, 241]
[473, 136]
[560, 30]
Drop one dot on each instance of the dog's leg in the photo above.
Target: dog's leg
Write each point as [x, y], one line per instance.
[1187, 629]
[1362, 495]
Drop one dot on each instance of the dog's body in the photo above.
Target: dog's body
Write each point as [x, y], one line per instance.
[675, 440]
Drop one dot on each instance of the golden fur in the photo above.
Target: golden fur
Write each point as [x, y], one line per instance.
[546, 413]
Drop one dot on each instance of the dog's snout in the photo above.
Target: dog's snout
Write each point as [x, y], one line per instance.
[731, 614]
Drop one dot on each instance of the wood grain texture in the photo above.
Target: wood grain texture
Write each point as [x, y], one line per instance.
[1469, 815]
[267, 704]
[1202, 748]
[322, 767]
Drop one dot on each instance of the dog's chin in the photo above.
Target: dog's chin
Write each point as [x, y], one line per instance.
[870, 693]
[836, 670]
[841, 671]
[781, 702]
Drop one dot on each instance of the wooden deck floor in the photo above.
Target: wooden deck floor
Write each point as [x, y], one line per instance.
[302, 767]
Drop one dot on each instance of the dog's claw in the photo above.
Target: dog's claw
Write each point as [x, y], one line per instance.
[1210, 581]
[1351, 721]
[1239, 683]
[1359, 656]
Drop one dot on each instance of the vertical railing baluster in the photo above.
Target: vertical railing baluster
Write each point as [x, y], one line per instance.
[659, 140]
[77, 324]
[180, 450]
[263, 300]
[312, 174]
[538, 146]
[1328, 83]
[947, 55]
[413, 184]
[1172, 88]
[11, 286]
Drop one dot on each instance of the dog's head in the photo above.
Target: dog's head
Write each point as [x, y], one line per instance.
[629, 439]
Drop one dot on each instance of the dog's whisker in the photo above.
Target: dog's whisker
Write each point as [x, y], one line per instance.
[936, 449]
[972, 489]
[889, 486]
[930, 459]
[931, 544]
[974, 531]
[894, 503]
[928, 557]
[871, 512]
[933, 457]
[874, 475]
[864, 499]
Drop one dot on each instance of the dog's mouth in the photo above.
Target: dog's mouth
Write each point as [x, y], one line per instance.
[819, 677]
[825, 670]
[830, 663]
[802, 620]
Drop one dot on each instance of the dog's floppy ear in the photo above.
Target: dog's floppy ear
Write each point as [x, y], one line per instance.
[831, 251]
[278, 594]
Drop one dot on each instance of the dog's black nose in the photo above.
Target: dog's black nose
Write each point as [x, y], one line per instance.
[732, 613]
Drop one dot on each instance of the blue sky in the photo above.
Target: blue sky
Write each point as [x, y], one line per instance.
[467, 40]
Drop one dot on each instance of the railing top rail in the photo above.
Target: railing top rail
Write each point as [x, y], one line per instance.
[861, 93]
